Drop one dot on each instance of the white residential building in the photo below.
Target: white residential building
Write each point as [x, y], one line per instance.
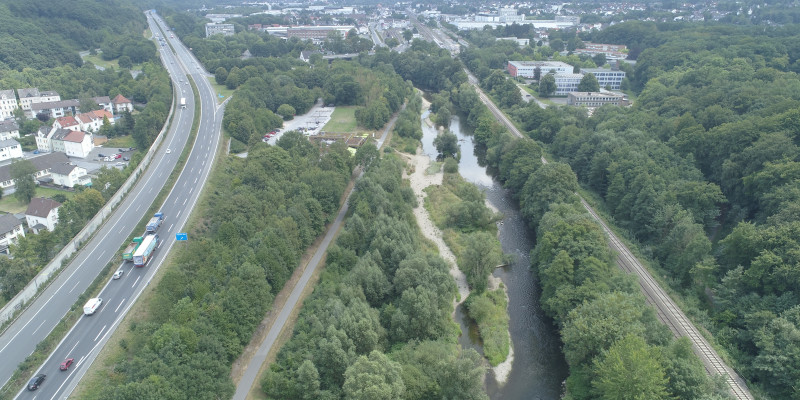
[10, 229]
[55, 109]
[120, 104]
[8, 103]
[92, 121]
[30, 96]
[69, 123]
[42, 214]
[105, 102]
[42, 164]
[69, 175]
[10, 149]
[9, 130]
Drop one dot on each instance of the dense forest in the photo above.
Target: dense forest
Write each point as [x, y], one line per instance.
[44, 34]
[702, 172]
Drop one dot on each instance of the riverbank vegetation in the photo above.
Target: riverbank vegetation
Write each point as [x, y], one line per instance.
[458, 208]
[378, 324]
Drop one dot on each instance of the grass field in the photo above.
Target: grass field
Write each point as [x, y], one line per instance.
[342, 120]
[220, 90]
[10, 204]
[122, 141]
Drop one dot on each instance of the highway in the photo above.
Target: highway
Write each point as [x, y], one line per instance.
[89, 334]
[668, 312]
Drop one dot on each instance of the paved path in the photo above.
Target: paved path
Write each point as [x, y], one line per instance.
[251, 373]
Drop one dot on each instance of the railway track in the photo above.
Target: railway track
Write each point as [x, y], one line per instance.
[667, 311]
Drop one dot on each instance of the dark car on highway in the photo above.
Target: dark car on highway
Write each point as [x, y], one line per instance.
[36, 381]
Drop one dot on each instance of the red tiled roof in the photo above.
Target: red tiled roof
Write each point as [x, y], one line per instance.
[99, 114]
[120, 99]
[67, 121]
[75, 137]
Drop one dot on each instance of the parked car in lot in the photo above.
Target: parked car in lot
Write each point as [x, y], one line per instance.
[117, 156]
[36, 381]
[125, 159]
[66, 364]
[101, 155]
[121, 150]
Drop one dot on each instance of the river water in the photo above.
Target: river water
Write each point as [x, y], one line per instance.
[538, 369]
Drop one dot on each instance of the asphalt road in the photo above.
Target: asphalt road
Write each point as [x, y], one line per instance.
[89, 334]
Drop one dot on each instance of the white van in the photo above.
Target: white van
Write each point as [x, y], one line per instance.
[92, 305]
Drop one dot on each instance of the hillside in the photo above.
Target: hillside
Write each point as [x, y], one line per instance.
[43, 34]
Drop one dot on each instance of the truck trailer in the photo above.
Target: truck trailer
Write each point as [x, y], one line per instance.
[145, 250]
[127, 254]
[155, 222]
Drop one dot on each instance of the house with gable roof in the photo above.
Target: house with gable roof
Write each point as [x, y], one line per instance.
[121, 104]
[69, 175]
[43, 165]
[10, 229]
[92, 121]
[9, 130]
[8, 103]
[9, 149]
[67, 122]
[105, 102]
[30, 96]
[42, 213]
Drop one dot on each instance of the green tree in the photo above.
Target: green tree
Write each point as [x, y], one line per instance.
[221, 75]
[547, 85]
[443, 117]
[286, 111]
[125, 62]
[446, 144]
[22, 172]
[588, 83]
[630, 370]
[374, 378]
[481, 255]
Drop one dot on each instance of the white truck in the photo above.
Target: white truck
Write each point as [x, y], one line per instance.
[92, 305]
[183, 102]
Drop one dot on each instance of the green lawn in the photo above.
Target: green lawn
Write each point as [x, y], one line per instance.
[10, 204]
[220, 90]
[343, 120]
[122, 141]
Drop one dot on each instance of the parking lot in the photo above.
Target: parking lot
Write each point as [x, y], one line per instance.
[308, 124]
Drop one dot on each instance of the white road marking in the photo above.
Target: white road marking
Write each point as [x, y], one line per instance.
[73, 288]
[137, 281]
[73, 348]
[120, 305]
[100, 333]
[170, 227]
[37, 328]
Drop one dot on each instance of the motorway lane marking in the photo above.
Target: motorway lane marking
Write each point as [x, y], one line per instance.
[73, 287]
[101, 254]
[99, 333]
[37, 328]
[73, 348]
[120, 305]
[195, 180]
[137, 280]
[185, 200]
[170, 228]
[22, 329]
[138, 206]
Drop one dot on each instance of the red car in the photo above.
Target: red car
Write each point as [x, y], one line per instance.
[66, 364]
[117, 155]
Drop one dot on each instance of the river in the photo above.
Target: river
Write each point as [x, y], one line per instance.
[538, 369]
